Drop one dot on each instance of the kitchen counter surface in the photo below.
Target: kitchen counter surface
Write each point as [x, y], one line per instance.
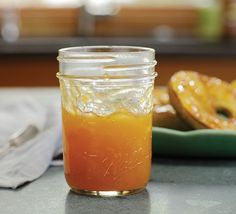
[177, 186]
[185, 47]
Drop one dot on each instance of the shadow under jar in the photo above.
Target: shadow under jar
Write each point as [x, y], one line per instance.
[106, 96]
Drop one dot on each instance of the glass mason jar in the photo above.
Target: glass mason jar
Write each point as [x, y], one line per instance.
[106, 96]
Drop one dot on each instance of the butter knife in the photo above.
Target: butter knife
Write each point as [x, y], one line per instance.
[19, 138]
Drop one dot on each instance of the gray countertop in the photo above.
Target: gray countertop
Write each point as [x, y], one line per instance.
[186, 47]
[176, 187]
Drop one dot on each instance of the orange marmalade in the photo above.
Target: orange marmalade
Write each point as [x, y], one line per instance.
[107, 153]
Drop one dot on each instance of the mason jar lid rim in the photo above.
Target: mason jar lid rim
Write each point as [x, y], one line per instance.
[117, 49]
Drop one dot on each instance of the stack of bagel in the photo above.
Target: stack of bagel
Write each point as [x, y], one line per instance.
[195, 101]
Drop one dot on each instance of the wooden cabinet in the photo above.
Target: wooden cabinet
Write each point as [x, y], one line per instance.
[40, 69]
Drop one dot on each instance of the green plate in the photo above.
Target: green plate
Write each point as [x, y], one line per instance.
[197, 143]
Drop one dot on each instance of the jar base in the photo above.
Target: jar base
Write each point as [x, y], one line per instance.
[119, 193]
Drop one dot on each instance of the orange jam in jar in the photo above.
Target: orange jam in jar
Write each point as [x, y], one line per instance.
[107, 153]
[107, 118]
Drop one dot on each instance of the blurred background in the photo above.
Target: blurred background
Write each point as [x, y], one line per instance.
[186, 34]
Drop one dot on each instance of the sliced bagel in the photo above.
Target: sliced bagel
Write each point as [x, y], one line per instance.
[203, 102]
[164, 115]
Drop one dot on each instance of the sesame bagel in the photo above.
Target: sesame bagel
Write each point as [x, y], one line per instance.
[164, 115]
[234, 84]
[203, 102]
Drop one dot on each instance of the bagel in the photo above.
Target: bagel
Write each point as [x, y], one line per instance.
[203, 102]
[161, 96]
[164, 115]
[234, 84]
